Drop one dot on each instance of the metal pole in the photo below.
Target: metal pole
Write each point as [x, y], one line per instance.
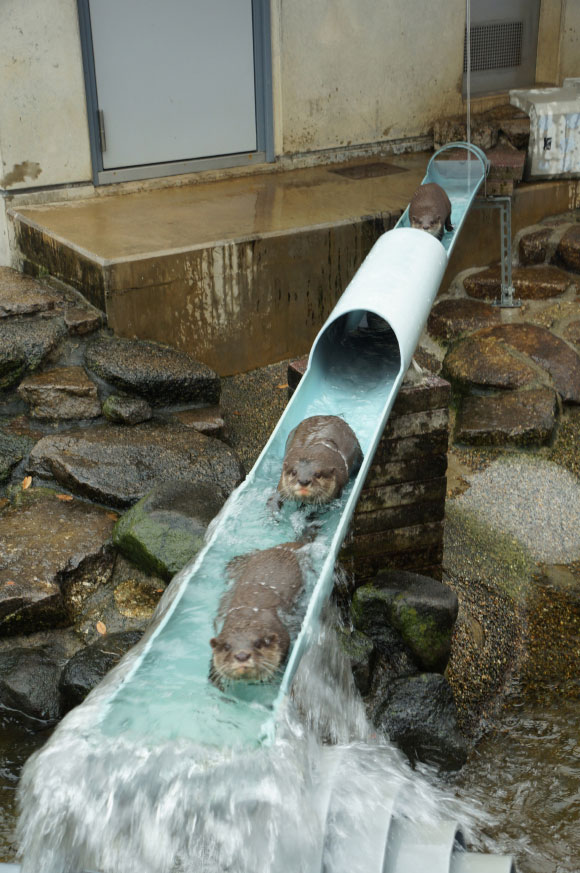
[504, 204]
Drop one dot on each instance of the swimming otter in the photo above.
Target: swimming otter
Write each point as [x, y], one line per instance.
[430, 210]
[321, 454]
[253, 642]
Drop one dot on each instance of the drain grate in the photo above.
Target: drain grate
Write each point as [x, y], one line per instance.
[369, 171]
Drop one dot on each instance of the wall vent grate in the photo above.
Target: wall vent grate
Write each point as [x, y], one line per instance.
[494, 46]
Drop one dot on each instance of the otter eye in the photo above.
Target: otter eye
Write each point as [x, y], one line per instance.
[226, 647]
[263, 641]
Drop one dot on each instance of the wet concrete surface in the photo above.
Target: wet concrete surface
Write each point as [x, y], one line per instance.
[172, 219]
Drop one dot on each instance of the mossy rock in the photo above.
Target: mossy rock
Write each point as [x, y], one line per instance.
[420, 609]
[166, 529]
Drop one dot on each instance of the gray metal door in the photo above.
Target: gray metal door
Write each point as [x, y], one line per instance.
[174, 81]
[504, 39]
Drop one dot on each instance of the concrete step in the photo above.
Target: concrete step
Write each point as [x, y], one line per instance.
[239, 272]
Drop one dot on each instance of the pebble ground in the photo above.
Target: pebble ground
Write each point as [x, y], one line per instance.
[536, 501]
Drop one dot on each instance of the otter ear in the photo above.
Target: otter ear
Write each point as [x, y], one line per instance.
[214, 643]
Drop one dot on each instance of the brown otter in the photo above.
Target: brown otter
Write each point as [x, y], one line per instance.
[321, 454]
[253, 642]
[430, 210]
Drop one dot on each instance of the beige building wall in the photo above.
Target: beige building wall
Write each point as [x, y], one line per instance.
[570, 45]
[44, 137]
[365, 71]
[43, 124]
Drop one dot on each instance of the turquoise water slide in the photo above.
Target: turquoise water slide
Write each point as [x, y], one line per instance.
[355, 369]
[147, 758]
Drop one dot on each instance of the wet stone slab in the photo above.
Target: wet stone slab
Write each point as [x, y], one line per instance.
[24, 345]
[61, 394]
[482, 361]
[48, 544]
[160, 374]
[530, 283]
[547, 351]
[568, 251]
[117, 465]
[208, 420]
[83, 320]
[497, 358]
[23, 295]
[451, 318]
[533, 247]
[519, 418]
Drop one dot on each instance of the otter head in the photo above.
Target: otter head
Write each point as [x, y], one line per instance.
[427, 220]
[318, 478]
[247, 655]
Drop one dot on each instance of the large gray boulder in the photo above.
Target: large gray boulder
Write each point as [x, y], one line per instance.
[166, 528]
[419, 715]
[29, 683]
[159, 373]
[85, 670]
[117, 466]
[421, 610]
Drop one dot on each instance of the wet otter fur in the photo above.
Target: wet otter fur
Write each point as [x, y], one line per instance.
[253, 642]
[430, 210]
[322, 452]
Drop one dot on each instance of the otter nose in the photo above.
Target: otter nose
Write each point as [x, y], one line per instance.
[303, 480]
[242, 656]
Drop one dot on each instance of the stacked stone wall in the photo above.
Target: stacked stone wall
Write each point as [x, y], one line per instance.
[399, 519]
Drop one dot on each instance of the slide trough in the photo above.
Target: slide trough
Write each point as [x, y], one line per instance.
[357, 363]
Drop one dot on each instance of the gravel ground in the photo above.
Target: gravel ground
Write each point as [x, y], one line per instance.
[252, 403]
[534, 500]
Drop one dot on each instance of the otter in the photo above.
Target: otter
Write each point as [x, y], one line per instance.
[430, 210]
[322, 452]
[253, 642]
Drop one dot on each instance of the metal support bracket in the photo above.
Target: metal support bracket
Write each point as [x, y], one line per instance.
[504, 204]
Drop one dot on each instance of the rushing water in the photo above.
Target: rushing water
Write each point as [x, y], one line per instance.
[174, 805]
[526, 775]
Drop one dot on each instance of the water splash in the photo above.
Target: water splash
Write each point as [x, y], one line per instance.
[92, 801]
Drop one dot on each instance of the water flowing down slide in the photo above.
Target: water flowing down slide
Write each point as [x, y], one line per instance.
[159, 700]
